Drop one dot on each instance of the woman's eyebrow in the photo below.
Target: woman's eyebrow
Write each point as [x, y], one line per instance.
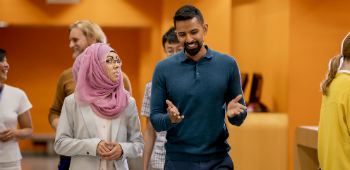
[113, 57]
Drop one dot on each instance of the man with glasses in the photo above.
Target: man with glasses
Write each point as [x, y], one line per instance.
[171, 46]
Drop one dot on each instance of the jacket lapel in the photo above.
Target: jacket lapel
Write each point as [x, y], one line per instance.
[89, 119]
[115, 127]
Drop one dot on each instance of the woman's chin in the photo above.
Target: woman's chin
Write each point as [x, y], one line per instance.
[115, 79]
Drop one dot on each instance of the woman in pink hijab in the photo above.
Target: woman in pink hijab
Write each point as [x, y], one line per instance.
[99, 126]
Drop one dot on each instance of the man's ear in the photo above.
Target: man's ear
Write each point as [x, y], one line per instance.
[205, 28]
[92, 40]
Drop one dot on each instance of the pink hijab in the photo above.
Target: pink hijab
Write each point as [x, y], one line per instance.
[107, 99]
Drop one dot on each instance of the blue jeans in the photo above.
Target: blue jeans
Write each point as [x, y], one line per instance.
[217, 164]
[64, 163]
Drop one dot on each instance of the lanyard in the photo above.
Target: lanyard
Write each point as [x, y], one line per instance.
[0, 90]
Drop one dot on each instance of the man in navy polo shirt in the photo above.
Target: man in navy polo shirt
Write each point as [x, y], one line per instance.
[188, 92]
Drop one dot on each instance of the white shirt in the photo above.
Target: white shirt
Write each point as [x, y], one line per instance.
[103, 131]
[344, 71]
[13, 103]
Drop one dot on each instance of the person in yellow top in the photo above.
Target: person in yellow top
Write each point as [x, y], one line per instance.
[334, 125]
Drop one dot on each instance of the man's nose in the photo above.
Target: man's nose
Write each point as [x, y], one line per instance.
[189, 38]
[6, 64]
[71, 44]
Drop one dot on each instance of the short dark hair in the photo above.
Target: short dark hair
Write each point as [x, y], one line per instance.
[187, 12]
[170, 36]
[2, 54]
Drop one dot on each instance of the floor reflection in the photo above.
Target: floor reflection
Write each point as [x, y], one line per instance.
[39, 161]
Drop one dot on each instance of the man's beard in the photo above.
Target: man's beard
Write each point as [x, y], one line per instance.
[193, 52]
[74, 55]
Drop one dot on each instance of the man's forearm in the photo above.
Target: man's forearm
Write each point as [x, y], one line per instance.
[54, 123]
[161, 122]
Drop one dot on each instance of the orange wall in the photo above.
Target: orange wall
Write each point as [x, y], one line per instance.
[260, 34]
[260, 44]
[317, 29]
[130, 13]
[290, 43]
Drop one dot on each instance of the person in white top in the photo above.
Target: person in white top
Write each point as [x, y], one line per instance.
[14, 109]
[99, 126]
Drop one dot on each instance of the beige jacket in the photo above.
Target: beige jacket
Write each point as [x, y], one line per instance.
[76, 135]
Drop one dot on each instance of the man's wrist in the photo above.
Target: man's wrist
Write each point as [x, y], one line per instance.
[54, 123]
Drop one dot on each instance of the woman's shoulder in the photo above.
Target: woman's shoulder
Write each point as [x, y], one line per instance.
[12, 89]
[70, 98]
[131, 101]
[131, 104]
[69, 103]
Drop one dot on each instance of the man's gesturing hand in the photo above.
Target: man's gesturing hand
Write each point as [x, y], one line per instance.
[234, 108]
[174, 114]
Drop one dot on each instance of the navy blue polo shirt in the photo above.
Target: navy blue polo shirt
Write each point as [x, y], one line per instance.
[198, 90]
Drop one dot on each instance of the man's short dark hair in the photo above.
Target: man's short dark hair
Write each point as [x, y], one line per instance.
[2, 54]
[187, 12]
[170, 36]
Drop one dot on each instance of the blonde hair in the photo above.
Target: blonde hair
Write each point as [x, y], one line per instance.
[333, 69]
[90, 29]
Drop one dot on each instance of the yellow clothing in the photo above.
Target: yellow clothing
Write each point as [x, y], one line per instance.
[66, 86]
[334, 125]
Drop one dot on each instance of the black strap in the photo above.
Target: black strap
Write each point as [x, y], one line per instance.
[62, 166]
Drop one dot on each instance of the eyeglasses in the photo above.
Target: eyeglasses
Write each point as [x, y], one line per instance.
[110, 61]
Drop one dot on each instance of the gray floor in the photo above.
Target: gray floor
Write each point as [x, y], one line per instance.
[39, 161]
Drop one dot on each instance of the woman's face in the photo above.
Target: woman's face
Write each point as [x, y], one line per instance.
[4, 67]
[113, 64]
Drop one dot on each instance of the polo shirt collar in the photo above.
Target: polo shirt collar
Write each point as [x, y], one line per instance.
[208, 55]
